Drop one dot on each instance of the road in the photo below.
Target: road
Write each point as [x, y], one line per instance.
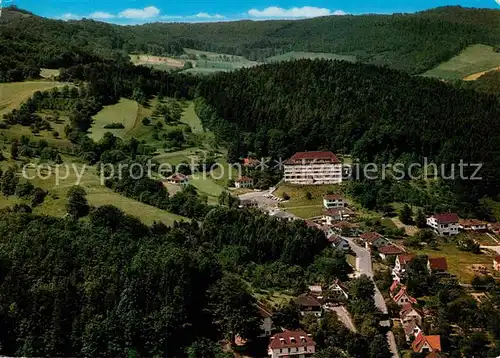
[344, 316]
[364, 267]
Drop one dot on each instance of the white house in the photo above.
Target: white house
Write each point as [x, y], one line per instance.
[267, 322]
[402, 297]
[333, 201]
[444, 224]
[292, 344]
[244, 182]
[338, 287]
[401, 265]
[331, 216]
[426, 344]
[412, 329]
[308, 304]
[409, 313]
[338, 242]
[389, 251]
[313, 168]
[373, 239]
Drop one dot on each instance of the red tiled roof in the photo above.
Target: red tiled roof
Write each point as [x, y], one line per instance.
[446, 218]
[403, 292]
[471, 222]
[438, 263]
[311, 157]
[390, 250]
[433, 341]
[291, 339]
[497, 258]
[409, 327]
[394, 286]
[334, 197]
[244, 180]
[370, 236]
[406, 258]
[407, 308]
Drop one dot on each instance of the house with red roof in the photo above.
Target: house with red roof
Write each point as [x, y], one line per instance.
[412, 329]
[178, 178]
[437, 264]
[243, 182]
[373, 239]
[401, 266]
[444, 224]
[338, 242]
[472, 225]
[292, 344]
[426, 344]
[403, 297]
[410, 313]
[331, 216]
[313, 168]
[333, 201]
[389, 251]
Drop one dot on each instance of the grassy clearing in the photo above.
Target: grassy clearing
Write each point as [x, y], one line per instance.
[206, 185]
[459, 262]
[14, 93]
[190, 118]
[293, 55]
[209, 62]
[158, 62]
[271, 298]
[125, 112]
[471, 61]
[49, 73]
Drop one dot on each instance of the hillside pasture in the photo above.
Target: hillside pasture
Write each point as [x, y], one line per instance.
[124, 112]
[158, 62]
[14, 93]
[294, 55]
[469, 65]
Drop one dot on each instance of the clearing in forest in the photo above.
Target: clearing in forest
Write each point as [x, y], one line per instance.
[14, 93]
[293, 55]
[124, 112]
[158, 62]
[470, 64]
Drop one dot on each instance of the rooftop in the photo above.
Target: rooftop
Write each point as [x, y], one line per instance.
[333, 197]
[433, 341]
[313, 157]
[438, 263]
[390, 250]
[406, 258]
[370, 236]
[291, 339]
[446, 218]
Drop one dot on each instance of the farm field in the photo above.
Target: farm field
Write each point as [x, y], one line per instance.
[470, 64]
[158, 62]
[125, 112]
[14, 93]
[288, 56]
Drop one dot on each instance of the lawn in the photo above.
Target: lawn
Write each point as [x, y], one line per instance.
[190, 118]
[125, 112]
[14, 93]
[207, 186]
[293, 55]
[470, 62]
[459, 262]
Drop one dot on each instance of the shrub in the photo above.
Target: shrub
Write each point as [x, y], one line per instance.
[285, 196]
[114, 126]
[146, 121]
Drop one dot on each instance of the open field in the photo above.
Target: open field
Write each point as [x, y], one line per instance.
[459, 262]
[124, 112]
[49, 73]
[207, 186]
[190, 118]
[288, 56]
[159, 62]
[470, 64]
[14, 93]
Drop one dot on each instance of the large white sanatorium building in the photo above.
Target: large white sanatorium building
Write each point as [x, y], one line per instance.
[313, 168]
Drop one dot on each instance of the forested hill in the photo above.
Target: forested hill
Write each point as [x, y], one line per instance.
[412, 42]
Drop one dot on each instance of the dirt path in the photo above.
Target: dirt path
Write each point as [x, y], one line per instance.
[475, 76]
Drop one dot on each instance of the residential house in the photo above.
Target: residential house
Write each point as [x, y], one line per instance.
[244, 182]
[444, 223]
[426, 344]
[495, 228]
[401, 266]
[313, 168]
[373, 239]
[410, 313]
[338, 287]
[412, 329]
[333, 201]
[308, 304]
[267, 321]
[496, 263]
[402, 297]
[331, 216]
[292, 344]
[388, 251]
[178, 178]
[395, 287]
[345, 227]
[248, 203]
[339, 243]
[282, 215]
[472, 225]
[437, 264]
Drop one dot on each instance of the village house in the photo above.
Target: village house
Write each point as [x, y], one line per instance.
[281, 215]
[350, 229]
[437, 264]
[401, 266]
[338, 287]
[496, 263]
[388, 251]
[247, 204]
[412, 329]
[331, 216]
[308, 304]
[292, 344]
[267, 321]
[444, 224]
[402, 297]
[333, 201]
[339, 242]
[178, 178]
[373, 239]
[472, 225]
[426, 344]
[313, 168]
[495, 228]
[410, 313]
[244, 182]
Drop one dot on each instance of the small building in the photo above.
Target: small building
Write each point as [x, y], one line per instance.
[338, 287]
[244, 182]
[389, 251]
[293, 344]
[282, 215]
[402, 297]
[348, 228]
[308, 304]
[496, 263]
[315, 168]
[472, 225]
[373, 239]
[178, 178]
[338, 242]
[332, 216]
[410, 313]
[248, 204]
[426, 344]
[333, 201]
[437, 264]
[401, 266]
[444, 224]
[495, 228]
[412, 329]
[267, 321]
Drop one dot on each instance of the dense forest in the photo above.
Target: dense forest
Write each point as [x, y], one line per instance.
[411, 42]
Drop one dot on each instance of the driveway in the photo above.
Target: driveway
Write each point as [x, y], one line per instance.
[343, 315]
[264, 203]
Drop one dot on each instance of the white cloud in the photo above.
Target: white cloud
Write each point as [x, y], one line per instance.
[70, 16]
[204, 15]
[146, 13]
[294, 12]
[101, 15]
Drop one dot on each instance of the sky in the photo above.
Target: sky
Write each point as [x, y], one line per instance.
[142, 11]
